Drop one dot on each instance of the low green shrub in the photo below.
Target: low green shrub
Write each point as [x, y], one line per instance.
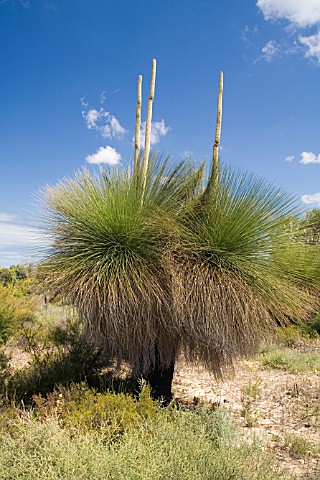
[64, 359]
[169, 444]
[311, 328]
[59, 356]
[14, 311]
[300, 447]
[289, 359]
[86, 409]
[289, 335]
[15, 274]
[4, 371]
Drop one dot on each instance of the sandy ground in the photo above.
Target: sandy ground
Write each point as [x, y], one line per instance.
[269, 403]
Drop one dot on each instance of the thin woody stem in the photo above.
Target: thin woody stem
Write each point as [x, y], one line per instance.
[137, 131]
[144, 165]
[213, 182]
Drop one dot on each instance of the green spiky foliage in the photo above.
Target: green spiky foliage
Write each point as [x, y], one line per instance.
[109, 254]
[175, 273]
[237, 270]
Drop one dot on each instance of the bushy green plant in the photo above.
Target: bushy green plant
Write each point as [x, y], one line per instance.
[300, 447]
[14, 312]
[289, 335]
[59, 356]
[289, 359]
[13, 275]
[4, 371]
[311, 328]
[250, 394]
[175, 445]
[85, 409]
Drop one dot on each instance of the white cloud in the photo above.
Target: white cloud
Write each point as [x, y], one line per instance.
[18, 239]
[103, 122]
[7, 217]
[91, 117]
[300, 13]
[313, 198]
[15, 231]
[105, 131]
[103, 96]
[248, 34]
[106, 154]
[270, 50]
[187, 154]
[312, 44]
[116, 129]
[83, 102]
[16, 234]
[158, 129]
[289, 158]
[309, 157]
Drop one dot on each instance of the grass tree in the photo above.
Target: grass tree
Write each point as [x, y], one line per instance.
[109, 254]
[237, 270]
[158, 261]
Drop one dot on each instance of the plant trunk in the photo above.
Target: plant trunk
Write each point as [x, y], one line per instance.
[160, 381]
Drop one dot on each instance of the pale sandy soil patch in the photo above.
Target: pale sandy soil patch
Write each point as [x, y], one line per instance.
[269, 403]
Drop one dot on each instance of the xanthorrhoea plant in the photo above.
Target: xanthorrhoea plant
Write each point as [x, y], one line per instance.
[109, 254]
[236, 272]
[157, 261]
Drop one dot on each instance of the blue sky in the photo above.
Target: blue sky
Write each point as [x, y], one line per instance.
[68, 83]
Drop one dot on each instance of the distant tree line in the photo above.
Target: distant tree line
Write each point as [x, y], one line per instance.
[311, 224]
[14, 274]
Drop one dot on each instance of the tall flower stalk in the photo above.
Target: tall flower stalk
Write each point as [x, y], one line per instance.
[137, 129]
[146, 153]
[213, 182]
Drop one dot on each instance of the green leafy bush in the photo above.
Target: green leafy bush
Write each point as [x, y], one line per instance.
[312, 327]
[60, 356]
[288, 359]
[13, 313]
[289, 335]
[86, 409]
[171, 444]
[300, 447]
